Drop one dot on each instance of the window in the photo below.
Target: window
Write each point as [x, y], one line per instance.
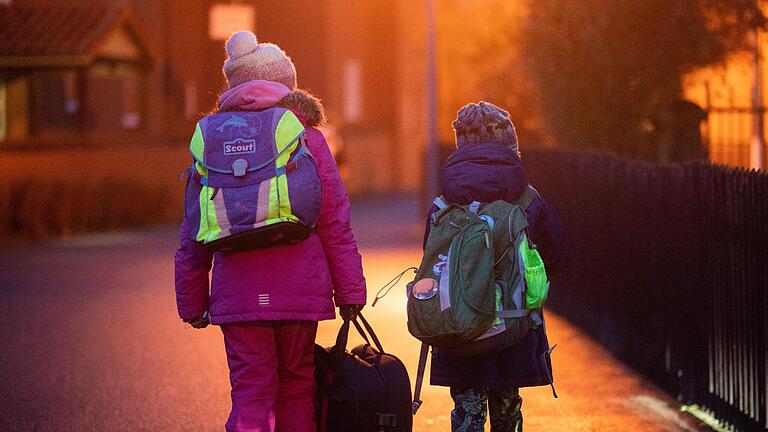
[114, 98]
[54, 101]
[14, 107]
[131, 102]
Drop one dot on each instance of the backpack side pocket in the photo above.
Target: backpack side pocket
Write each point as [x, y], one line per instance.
[537, 284]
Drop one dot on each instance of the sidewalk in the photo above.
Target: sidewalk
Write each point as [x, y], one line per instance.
[93, 343]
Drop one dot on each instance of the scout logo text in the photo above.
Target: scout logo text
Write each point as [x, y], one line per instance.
[239, 146]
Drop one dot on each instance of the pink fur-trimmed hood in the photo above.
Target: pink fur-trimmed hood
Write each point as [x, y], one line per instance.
[253, 96]
[258, 95]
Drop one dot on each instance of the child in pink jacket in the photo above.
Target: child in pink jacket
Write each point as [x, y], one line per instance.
[268, 301]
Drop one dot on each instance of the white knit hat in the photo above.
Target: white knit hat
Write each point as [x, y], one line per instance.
[247, 60]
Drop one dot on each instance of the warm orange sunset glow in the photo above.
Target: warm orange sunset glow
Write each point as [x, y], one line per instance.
[384, 216]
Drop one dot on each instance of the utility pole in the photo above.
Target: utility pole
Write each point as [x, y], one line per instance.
[757, 143]
[432, 156]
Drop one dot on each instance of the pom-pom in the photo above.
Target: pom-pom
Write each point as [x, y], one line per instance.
[240, 44]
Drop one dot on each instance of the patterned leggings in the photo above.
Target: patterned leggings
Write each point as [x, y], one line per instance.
[468, 415]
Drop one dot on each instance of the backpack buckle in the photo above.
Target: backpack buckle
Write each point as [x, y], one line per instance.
[386, 420]
[474, 207]
[239, 167]
[415, 406]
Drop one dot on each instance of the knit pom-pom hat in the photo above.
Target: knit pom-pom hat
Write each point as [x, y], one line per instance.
[484, 122]
[248, 60]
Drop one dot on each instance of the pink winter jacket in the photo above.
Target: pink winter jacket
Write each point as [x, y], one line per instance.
[298, 282]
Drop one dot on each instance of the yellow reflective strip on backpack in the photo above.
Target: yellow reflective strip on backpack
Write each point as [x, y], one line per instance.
[288, 129]
[201, 169]
[209, 224]
[274, 202]
[285, 202]
[197, 147]
[197, 144]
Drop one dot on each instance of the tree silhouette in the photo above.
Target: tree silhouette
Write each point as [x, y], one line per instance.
[604, 69]
[479, 59]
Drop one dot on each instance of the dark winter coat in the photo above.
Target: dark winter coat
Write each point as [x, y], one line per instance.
[486, 173]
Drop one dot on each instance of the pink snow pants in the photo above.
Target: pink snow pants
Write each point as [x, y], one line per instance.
[271, 368]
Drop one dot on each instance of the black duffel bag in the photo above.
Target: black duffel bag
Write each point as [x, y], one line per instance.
[362, 390]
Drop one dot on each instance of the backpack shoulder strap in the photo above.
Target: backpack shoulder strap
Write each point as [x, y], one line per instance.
[527, 197]
[440, 202]
[420, 377]
[443, 208]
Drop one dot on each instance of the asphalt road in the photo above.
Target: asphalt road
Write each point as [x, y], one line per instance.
[91, 342]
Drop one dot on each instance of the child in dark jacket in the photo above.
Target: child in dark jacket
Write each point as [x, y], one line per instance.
[486, 167]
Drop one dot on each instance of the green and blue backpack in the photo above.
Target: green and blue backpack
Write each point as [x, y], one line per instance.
[481, 281]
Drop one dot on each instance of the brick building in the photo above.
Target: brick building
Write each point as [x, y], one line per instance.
[96, 73]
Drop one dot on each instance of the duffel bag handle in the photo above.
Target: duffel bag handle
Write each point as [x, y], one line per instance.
[343, 336]
[341, 340]
[361, 332]
[370, 331]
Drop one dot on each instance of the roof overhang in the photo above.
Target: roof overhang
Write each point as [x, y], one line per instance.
[123, 39]
[43, 61]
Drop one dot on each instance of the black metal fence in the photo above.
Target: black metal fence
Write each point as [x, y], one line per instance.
[670, 273]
